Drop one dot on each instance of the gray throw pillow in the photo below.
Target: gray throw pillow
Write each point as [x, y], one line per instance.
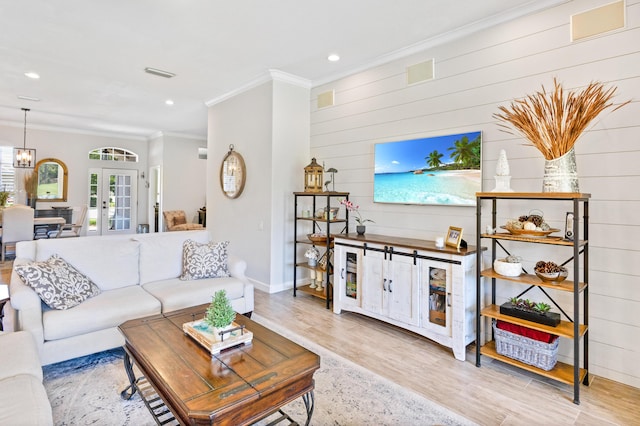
[59, 285]
[204, 260]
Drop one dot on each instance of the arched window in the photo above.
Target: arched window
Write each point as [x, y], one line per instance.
[110, 153]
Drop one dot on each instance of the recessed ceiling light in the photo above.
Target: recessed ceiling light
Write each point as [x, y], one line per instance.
[159, 73]
[32, 74]
[28, 98]
[169, 102]
[333, 57]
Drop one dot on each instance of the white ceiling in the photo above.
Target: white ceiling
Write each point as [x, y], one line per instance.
[91, 54]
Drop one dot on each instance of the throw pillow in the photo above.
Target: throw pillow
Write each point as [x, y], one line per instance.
[207, 260]
[59, 285]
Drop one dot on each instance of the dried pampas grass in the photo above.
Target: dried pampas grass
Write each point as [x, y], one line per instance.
[552, 122]
[31, 183]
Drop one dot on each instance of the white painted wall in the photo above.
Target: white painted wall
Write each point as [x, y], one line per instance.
[244, 121]
[73, 149]
[474, 75]
[183, 176]
[269, 127]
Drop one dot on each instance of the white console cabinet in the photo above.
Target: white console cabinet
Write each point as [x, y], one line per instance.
[409, 283]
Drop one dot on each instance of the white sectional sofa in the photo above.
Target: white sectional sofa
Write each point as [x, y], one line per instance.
[138, 275]
[23, 398]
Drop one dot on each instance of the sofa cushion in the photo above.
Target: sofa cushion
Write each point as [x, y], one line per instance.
[175, 294]
[161, 253]
[19, 355]
[58, 284]
[110, 262]
[209, 260]
[24, 401]
[108, 309]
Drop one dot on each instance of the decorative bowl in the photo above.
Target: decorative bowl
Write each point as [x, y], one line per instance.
[319, 238]
[530, 233]
[502, 267]
[556, 277]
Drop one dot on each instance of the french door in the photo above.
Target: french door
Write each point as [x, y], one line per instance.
[112, 201]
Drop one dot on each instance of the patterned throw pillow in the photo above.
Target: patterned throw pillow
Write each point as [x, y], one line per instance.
[59, 285]
[204, 260]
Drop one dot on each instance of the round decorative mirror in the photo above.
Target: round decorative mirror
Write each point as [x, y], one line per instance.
[52, 180]
[232, 174]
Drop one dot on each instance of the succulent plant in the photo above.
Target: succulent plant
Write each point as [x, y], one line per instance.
[528, 305]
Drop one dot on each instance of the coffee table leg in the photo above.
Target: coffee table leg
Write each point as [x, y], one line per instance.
[128, 368]
[309, 402]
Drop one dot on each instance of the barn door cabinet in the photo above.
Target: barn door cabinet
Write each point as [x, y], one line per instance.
[574, 325]
[408, 283]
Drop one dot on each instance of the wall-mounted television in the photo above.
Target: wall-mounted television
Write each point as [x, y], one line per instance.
[439, 170]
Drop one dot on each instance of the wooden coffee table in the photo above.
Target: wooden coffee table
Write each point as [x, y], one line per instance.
[239, 386]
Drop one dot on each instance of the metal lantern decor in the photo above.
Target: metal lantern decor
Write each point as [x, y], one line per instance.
[313, 177]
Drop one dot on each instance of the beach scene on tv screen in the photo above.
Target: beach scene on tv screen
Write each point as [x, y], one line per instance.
[435, 170]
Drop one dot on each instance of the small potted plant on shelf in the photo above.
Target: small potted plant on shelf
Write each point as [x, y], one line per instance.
[531, 311]
[360, 228]
[220, 313]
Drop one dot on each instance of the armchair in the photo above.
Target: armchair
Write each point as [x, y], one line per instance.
[71, 230]
[176, 220]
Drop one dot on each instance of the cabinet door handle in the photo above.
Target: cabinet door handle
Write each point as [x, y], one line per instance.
[448, 299]
[390, 290]
[342, 274]
[384, 284]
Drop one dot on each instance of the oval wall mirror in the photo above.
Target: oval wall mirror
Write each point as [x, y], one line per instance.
[52, 180]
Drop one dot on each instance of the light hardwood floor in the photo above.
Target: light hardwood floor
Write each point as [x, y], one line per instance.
[495, 394]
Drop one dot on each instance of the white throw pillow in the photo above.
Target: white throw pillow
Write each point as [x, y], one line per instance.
[58, 284]
[204, 260]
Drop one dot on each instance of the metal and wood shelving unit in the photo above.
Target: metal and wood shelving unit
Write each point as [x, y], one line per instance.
[319, 200]
[570, 327]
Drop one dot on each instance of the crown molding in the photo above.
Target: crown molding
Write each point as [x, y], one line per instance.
[506, 16]
[61, 129]
[270, 75]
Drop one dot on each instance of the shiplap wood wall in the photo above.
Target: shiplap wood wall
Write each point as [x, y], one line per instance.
[473, 75]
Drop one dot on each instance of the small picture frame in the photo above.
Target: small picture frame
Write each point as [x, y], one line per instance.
[454, 236]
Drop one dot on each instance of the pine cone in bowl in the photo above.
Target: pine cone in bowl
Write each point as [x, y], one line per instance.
[550, 271]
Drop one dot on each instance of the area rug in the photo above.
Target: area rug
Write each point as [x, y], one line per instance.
[86, 391]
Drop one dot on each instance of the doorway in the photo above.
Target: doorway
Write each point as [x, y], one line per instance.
[112, 201]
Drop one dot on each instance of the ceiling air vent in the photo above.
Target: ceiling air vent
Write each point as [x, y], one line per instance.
[159, 73]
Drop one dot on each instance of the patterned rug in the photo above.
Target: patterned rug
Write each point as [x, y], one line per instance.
[86, 391]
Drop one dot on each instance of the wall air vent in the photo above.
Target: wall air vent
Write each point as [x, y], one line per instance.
[159, 73]
[420, 72]
[326, 99]
[598, 21]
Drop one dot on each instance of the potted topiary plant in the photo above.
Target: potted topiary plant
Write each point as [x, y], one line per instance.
[220, 313]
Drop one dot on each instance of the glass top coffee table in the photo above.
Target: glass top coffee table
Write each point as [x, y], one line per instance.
[182, 381]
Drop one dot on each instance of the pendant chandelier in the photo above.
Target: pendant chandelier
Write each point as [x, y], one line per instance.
[24, 158]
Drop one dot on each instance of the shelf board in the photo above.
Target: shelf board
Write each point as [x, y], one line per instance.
[564, 329]
[322, 194]
[535, 195]
[558, 241]
[312, 268]
[313, 219]
[528, 279]
[312, 291]
[315, 243]
[561, 372]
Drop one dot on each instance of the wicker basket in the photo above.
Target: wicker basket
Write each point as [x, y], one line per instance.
[530, 351]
